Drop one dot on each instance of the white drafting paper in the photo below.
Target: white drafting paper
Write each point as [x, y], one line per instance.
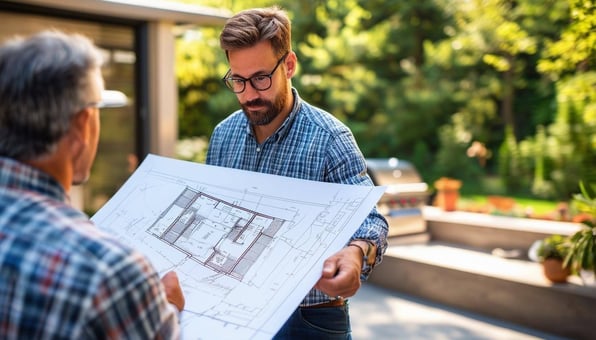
[247, 247]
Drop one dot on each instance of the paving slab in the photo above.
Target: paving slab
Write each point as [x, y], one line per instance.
[379, 313]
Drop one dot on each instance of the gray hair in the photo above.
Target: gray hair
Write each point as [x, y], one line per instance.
[251, 26]
[44, 82]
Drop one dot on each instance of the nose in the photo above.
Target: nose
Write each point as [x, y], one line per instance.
[249, 93]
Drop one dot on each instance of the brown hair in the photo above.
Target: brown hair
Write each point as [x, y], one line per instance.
[251, 26]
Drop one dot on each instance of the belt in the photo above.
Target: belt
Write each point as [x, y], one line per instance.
[333, 303]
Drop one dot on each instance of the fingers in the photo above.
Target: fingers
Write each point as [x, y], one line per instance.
[330, 269]
[340, 275]
[173, 290]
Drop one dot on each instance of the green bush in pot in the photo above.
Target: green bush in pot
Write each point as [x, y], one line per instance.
[553, 247]
[551, 253]
[582, 252]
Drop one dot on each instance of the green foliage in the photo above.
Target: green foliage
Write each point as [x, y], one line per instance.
[514, 168]
[576, 48]
[540, 186]
[422, 80]
[192, 149]
[566, 149]
[553, 247]
[582, 254]
[487, 56]
[452, 160]
[200, 66]
[585, 201]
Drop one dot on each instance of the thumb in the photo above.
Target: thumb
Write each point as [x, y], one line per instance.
[173, 290]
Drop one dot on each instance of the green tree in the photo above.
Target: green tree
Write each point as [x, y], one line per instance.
[571, 151]
[423, 80]
[575, 50]
[489, 60]
[363, 61]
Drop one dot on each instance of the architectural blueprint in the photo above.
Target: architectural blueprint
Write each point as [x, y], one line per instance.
[247, 247]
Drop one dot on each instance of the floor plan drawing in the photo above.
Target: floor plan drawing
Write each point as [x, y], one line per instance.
[247, 247]
[220, 235]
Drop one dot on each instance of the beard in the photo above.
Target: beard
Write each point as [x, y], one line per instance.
[271, 109]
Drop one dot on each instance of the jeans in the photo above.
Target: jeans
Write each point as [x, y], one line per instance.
[317, 323]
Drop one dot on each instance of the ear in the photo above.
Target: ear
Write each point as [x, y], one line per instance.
[291, 64]
[78, 133]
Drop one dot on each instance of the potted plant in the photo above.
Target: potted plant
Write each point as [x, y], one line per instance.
[582, 252]
[552, 252]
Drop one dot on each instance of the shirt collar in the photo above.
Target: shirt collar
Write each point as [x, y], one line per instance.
[15, 175]
[285, 127]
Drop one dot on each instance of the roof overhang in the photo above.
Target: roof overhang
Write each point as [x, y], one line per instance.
[155, 10]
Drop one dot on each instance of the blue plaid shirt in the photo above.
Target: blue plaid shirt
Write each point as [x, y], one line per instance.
[61, 278]
[311, 144]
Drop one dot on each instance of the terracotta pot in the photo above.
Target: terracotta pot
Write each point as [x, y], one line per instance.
[554, 271]
[447, 193]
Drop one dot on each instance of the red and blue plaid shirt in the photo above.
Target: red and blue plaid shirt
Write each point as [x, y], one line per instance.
[62, 278]
[311, 144]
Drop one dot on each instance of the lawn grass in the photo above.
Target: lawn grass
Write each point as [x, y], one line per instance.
[474, 196]
[522, 204]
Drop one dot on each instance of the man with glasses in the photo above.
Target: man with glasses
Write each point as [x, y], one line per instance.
[277, 132]
[61, 277]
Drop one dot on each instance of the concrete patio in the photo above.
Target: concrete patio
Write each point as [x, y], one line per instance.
[478, 263]
[379, 313]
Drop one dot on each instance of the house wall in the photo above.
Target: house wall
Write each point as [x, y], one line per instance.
[138, 41]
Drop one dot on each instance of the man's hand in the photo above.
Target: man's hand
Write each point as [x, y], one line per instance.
[173, 290]
[341, 273]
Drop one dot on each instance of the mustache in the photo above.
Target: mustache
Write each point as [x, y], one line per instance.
[257, 101]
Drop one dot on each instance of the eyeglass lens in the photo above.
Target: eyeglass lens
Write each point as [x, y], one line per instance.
[260, 82]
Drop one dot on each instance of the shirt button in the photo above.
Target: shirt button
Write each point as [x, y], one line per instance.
[258, 149]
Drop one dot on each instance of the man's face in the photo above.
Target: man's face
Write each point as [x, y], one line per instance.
[260, 107]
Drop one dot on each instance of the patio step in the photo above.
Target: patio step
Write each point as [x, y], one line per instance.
[457, 263]
[512, 290]
[490, 232]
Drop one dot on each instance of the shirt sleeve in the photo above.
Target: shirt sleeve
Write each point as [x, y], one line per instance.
[347, 165]
[131, 303]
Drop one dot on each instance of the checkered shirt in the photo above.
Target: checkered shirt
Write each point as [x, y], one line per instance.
[62, 278]
[311, 144]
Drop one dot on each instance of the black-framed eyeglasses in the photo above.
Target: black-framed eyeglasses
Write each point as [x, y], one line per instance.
[259, 82]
